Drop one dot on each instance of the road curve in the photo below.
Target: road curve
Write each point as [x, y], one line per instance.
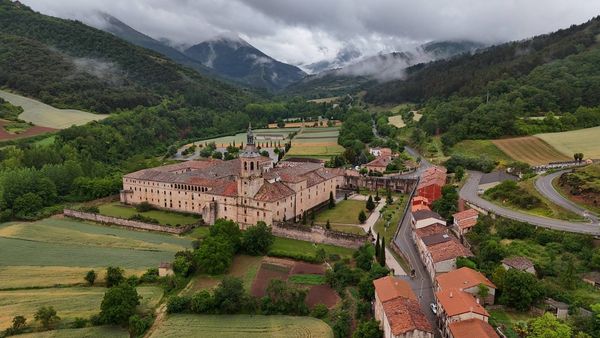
[543, 184]
[469, 194]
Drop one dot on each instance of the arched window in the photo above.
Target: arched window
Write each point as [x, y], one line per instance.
[251, 165]
[245, 165]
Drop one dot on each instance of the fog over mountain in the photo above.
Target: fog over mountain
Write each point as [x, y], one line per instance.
[308, 32]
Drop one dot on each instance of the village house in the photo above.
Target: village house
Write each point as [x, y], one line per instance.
[455, 306]
[471, 328]
[519, 263]
[558, 309]
[490, 180]
[377, 152]
[467, 280]
[379, 164]
[464, 221]
[165, 269]
[398, 311]
[246, 190]
[419, 203]
[438, 249]
[431, 182]
[425, 217]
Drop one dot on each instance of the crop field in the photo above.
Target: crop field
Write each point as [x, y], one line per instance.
[45, 115]
[28, 132]
[477, 148]
[586, 141]
[87, 332]
[69, 302]
[297, 247]
[530, 149]
[244, 267]
[345, 212]
[316, 142]
[54, 247]
[396, 121]
[117, 209]
[240, 138]
[247, 326]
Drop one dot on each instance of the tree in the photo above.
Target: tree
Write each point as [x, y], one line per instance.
[370, 204]
[362, 217]
[257, 240]
[377, 247]
[319, 311]
[363, 257]
[202, 302]
[119, 303]
[448, 203]
[491, 251]
[388, 198]
[482, 292]
[230, 231]
[382, 252]
[46, 316]
[341, 324]
[138, 325]
[331, 204]
[327, 225]
[27, 205]
[368, 329]
[377, 197]
[90, 277]
[521, 290]
[114, 276]
[459, 173]
[547, 326]
[214, 255]
[229, 296]
[19, 323]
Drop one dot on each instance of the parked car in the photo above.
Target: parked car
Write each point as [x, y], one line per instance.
[433, 308]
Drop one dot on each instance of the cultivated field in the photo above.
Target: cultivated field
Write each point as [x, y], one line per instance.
[30, 131]
[244, 267]
[247, 326]
[586, 141]
[88, 332]
[477, 148]
[396, 121]
[44, 115]
[69, 302]
[316, 142]
[116, 209]
[530, 149]
[238, 139]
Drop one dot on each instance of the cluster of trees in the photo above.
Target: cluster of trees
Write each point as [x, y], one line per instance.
[355, 134]
[511, 192]
[448, 203]
[8, 111]
[481, 163]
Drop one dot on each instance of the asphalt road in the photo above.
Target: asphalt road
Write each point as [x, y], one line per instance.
[544, 186]
[469, 193]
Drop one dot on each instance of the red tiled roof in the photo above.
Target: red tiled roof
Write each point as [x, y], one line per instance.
[472, 328]
[519, 263]
[417, 207]
[273, 192]
[469, 213]
[420, 199]
[405, 315]
[431, 230]
[448, 250]
[389, 287]
[381, 161]
[455, 302]
[467, 223]
[462, 278]
[433, 176]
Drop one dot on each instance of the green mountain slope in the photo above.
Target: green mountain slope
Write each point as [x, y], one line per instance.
[66, 63]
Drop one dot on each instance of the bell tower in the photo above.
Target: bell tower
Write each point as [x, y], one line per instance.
[250, 172]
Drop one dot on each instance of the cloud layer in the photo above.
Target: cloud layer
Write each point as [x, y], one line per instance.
[307, 31]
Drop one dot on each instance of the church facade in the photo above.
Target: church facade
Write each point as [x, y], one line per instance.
[246, 190]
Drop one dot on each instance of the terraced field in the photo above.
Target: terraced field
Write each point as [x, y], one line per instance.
[247, 326]
[530, 149]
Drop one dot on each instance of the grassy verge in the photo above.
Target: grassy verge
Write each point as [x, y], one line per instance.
[116, 209]
[296, 247]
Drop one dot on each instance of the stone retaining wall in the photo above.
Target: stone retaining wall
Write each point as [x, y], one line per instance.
[317, 234]
[125, 222]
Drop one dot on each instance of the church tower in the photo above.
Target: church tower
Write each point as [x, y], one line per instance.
[250, 172]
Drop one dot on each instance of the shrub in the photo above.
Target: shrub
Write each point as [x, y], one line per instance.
[90, 277]
[362, 217]
[79, 322]
[47, 317]
[150, 276]
[319, 311]
[114, 276]
[296, 256]
[144, 207]
[142, 218]
[202, 302]
[178, 304]
[90, 208]
[119, 303]
[139, 325]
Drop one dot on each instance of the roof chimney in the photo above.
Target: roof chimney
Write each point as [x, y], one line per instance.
[450, 294]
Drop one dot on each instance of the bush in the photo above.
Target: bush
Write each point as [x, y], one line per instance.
[178, 304]
[138, 325]
[114, 276]
[515, 195]
[296, 256]
[257, 240]
[319, 311]
[142, 218]
[150, 276]
[96, 320]
[482, 163]
[79, 322]
[144, 207]
[90, 277]
[119, 303]
[90, 208]
[202, 302]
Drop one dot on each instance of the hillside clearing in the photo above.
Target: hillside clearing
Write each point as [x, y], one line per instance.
[396, 121]
[586, 141]
[477, 148]
[45, 115]
[530, 149]
[247, 326]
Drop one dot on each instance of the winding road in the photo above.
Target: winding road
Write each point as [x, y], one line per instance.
[469, 194]
[544, 186]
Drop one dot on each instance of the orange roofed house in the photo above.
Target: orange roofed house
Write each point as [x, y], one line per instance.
[464, 221]
[398, 311]
[467, 280]
[431, 182]
[379, 164]
[246, 190]
[455, 306]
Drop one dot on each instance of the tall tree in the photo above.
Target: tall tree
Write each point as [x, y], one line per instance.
[370, 204]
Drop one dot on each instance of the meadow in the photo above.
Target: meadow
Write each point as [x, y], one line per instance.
[530, 149]
[248, 326]
[586, 141]
[477, 148]
[296, 247]
[344, 212]
[240, 138]
[316, 142]
[116, 209]
[87, 332]
[44, 115]
[69, 302]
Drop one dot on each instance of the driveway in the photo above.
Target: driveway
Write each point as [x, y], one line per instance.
[469, 194]
[544, 186]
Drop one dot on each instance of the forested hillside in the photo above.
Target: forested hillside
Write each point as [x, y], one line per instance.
[66, 63]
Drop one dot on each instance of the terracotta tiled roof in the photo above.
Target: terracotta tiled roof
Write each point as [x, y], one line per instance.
[469, 213]
[519, 263]
[273, 191]
[417, 207]
[448, 250]
[472, 328]
[431, 230]
[462, 278]
[434, 175]
[405, 315]
[467, 223]
[455, 302]
[389, 287]
[381, 161]
[420, 200]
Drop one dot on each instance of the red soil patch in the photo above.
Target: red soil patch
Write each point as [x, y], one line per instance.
[263, 277]
[322, 294]
[33, 131]
[307, 268]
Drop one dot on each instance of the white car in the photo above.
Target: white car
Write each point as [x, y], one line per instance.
[433, 308]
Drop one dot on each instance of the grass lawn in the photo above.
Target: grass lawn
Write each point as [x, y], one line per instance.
[508, 319]
[570, 142]
[352, 229]
[88, 332]
[309, 279]
[69, 302]
[345, 212]
[117, 209]
[45, 141]
[393, 213]
[292, 246]
[247, 326]
[477, 148]
[199, 232]
[243, 266]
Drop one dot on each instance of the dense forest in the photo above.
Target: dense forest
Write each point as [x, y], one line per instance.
[68, 64]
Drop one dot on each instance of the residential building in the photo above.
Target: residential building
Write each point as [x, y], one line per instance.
[165, 269]
[471, 328]
[425, 217]
[464, 221]
[431, 182]
[519, 263]
[490, 180]
[379, 164]
[246, 190]
[559, 309]
[398, 311]
[380, 152]
[467, 280]
[456, 306]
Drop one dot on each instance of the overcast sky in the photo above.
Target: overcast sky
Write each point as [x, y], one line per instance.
[305, 31]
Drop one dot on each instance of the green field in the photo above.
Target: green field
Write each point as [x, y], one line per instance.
[477, 148]
[316, 142]
[396, 121]
[576, 141]
[88, 332]
[44, 115]
[345, 212]
[243, 267]
[247, 326]
[68, 302]
[240, 138]
[117, 209]
[54, 246]
[352, 229]
[296, 247]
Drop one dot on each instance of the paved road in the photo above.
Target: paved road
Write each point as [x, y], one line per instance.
[469, 193]
[544, 186]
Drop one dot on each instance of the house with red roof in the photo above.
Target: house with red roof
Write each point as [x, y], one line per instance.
[467, 280]
[398, 311]
[379, 164]
[431, 182]
[471, 328]
[454, 306]
[464, 221]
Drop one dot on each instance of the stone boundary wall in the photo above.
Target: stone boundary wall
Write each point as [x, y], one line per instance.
[317, 234]
[125, 222]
